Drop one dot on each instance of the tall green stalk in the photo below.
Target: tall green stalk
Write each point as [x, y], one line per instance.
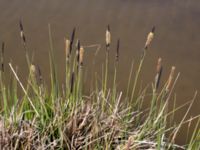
[137, 75]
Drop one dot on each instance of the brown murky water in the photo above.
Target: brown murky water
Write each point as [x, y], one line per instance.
[177, 36]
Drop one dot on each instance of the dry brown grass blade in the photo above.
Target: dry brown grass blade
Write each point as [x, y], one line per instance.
[25, 92]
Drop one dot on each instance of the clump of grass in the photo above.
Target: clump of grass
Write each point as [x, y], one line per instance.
[68, 119]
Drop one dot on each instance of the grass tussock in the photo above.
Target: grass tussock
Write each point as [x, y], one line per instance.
[65, 118]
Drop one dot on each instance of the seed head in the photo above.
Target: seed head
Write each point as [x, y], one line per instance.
[117, 52]
[159, 65]
[22, 32]
[78, 51]
[72, 39]
[150, 37]
[158, 72]
[170, 79]
[67, 48]
[72, 82]
[33, 70]
[81, 55]
[108, 37]
[2, 56]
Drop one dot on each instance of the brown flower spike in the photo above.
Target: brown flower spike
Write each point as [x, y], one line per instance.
[108, 37]
[170, 79]
[81, 55]
[158, 72]
[22, 32]
[67, 48]
[149, 38]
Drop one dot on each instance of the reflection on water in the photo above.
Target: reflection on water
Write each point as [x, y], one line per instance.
[177, 35]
